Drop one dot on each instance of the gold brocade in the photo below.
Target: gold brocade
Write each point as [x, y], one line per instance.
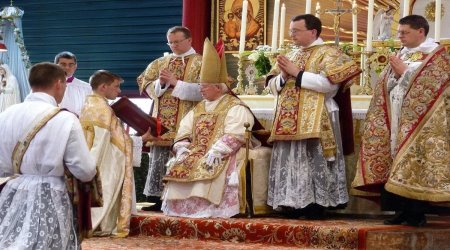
[301, 113]
[170, 110]
[375, 159]
[97, 112]
[208, 128]
[421, 167]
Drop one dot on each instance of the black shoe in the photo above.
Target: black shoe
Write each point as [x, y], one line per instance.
[154, 207]
[397, 219]
[291, 213]
[315, 212]
[417, 220]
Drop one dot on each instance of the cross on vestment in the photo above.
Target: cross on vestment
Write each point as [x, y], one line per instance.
[337, 12]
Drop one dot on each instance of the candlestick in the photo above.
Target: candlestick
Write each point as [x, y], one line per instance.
[405, 8]
[437, 21]
[318, 10]
[370, 26]
[308, 7]
[243, 26]
[276, 14]
[282, 20]
[354, 25]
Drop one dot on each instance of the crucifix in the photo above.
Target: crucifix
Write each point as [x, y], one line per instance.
[337, 12]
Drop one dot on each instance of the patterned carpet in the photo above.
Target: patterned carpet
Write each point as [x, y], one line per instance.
[152, 230]
[160, 243]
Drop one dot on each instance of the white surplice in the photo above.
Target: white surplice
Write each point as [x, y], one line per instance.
[35, 209]
[75, 95]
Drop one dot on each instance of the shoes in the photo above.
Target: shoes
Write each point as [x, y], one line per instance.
[397, 219]
[291, 213]
[154, 207]
[417, 220]
[315, 212]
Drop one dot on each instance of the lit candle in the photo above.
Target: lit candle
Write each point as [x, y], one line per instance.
[243, 26]
[308, 7]
[318, 10]
[405, 8]
[354, 25]
[282, 20]
[276, 15]
[437, 22]
[369, 26]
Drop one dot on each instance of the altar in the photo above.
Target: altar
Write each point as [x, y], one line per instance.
[263, 106]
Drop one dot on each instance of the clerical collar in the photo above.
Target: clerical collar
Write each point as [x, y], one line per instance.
[427, 46]
[191, 51]
[70, 79]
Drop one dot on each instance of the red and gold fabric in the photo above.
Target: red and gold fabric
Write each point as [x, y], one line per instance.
[301, 113]
[420, 168]
[208, 128]
[169, 109]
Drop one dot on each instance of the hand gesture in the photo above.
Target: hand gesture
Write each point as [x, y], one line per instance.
[398, 66]
[287, 67]
[166, 77]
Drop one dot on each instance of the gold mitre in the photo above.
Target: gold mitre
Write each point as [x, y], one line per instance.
[214, 65]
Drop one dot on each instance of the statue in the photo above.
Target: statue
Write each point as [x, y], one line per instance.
[9, 88]
[383, 23]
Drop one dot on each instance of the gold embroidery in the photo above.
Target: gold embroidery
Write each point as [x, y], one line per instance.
[208, 128]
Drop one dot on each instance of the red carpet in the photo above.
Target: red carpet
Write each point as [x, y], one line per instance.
[151, 230]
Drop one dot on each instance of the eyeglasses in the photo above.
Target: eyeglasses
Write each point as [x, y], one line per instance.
[70, 65]
[175, 42]
[293, 31]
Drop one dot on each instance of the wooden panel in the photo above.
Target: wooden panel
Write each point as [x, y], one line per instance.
[119, 35]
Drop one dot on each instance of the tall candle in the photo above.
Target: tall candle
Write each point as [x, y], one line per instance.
[276, 15]
[243, 26]
[318, 10]
[308, 7]
[282, 20]
[354, 25]
[370, 26]
[437, 22]
[405, 8]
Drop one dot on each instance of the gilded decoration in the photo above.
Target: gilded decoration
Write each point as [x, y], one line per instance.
[424, 145]
[208, 128]
[228, 23]
[430, 10]
[375, 159]
[170, 110]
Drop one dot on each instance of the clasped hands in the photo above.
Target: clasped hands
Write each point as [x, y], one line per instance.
[398, 66]
[287, 67]
[166, 77]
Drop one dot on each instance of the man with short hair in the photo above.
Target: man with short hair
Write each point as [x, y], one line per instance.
[111, 147]
[168, 81]
[405, 148]
[76, 90]
[39, 143]
[307, 170]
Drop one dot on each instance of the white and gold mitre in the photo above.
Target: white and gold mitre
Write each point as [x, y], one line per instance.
[214, 64]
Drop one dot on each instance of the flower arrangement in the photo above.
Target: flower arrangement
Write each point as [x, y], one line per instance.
[262, 62]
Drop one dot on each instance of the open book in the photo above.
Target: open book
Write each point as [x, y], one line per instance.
[132, 115]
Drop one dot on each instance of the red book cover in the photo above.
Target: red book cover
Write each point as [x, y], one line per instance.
[132, 115]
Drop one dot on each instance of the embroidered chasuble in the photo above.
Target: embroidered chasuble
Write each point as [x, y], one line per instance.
[208, 128]
[301, 113]
[111, 146]
[169, 109]
[418, 168]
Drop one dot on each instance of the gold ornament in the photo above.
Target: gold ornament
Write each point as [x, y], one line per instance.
[430, 10]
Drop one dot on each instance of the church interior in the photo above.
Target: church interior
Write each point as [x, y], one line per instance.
[124, 36]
